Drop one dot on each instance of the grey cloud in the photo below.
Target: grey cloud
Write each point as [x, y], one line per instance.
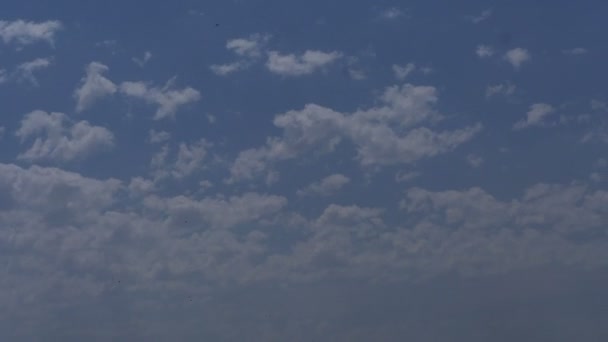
[167, 99]
[93, 86]
[305, 64]
[28, 32]
[326, 186]
[383, 135]
[61, 140]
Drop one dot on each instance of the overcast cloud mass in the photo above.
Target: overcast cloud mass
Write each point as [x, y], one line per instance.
[303, 171]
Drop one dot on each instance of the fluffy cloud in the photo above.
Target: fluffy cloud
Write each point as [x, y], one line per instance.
[250, 49]
[384, 135]
[484, 51]
[516, 57]
[576, 51]
[144, 60]
[93, 86]
[305, 64]
[401, 72]
[25, 71]
[474, 160]
[188, 160]
[157, 137]
[167, 99]
[61, 140]
[326, 186]
[27, 32]
[536, 116]
[485, 15]
[505, 89]
[392, 13]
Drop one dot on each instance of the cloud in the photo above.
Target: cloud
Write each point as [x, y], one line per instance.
[93, 86]
[189, 159]
[167, 99]
[576, 51]
[536, 116]
[2, 130]
[505, 89]
[305, 64]
[326, 186]
[226, 69]
[384, 135]
[158, 137]
[484, 51]
[249, 49]
[516, 57]
[474, 160]
[392, 13]
[143, 61]
[401, 72]
[24, 33]
[485, 15]
[61, 140]
[25, 71]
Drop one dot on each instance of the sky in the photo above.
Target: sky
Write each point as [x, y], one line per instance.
[273, 170]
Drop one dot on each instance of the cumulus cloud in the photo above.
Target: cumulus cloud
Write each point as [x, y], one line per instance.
[401, 72]
[392, 13]
[59, 140]
[305, 64]
[188, 160]
[505, 89]
[144, 60]
[516, 57]
[484, 51]
[24, 33]
[536, 116]
[383, 135]
[474, 160]
[157, 137]
[576, 51]
[483, 16]
[326, 186]
[25, 71]
[93, 86]
[168, 99]
[249, 49]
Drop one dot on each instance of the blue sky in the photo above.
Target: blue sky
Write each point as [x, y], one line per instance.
[327, 171]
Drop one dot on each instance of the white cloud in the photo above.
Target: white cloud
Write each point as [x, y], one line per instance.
[505, 89]
[576, 51]
[305, 64]
[248, 47]
[516, 57]
[158, 137]
[93, 86]
[536, 116]
[27, 32]
[474, 160]
[401, 72]
[167, 99]
[383, 135]
[143, 61]
[392, 13]
[484, 51]
[326, 186]
[189, 159]
[25, 71]
[226, 69]
[61, 140]
[485, 15]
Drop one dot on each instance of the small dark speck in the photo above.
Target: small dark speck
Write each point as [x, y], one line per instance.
[217, 25]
